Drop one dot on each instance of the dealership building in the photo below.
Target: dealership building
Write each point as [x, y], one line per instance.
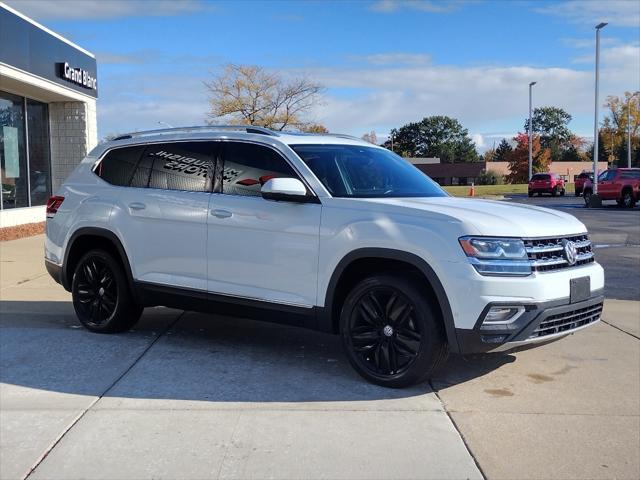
[48, 91]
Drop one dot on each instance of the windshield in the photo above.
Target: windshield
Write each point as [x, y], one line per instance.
[366, 172]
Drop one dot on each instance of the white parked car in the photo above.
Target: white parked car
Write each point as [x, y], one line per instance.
[320, 231]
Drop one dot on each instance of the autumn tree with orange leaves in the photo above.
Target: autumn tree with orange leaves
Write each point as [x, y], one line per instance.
[519, 159]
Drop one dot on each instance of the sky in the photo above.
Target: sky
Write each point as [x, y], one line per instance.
[384, 63]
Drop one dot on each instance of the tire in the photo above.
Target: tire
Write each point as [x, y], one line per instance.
[587, 197]
[539, 194]
[627, 200]
[390, 332]
[531, 194]
[101, 296]
[562, 192]
[554, 191]
[578, 192]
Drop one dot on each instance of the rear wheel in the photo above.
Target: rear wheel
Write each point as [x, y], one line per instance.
[390, 332]
[101, 296]
[530, 193]
[627, 199]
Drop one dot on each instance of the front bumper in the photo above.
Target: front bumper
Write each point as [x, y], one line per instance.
[540, 323]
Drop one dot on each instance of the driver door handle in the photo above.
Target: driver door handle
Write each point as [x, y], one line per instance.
[219, 213]
[137, 206]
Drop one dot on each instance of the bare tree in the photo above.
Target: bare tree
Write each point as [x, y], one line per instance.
[370, 137]
[251, 95]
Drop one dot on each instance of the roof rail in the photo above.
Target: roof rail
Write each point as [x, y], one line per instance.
[343, 135]
[202, 128]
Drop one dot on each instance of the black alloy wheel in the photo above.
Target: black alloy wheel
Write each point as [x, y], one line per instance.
[390, 333]
[101, 297]
[95, 291]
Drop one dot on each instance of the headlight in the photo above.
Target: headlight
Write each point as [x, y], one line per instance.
[497, 256]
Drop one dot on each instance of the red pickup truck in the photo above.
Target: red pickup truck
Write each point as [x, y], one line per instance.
[619, 184]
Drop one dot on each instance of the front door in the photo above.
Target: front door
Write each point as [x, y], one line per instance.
[261, 249]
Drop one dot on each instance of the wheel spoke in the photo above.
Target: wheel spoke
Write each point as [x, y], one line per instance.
[403, 315]
[404, 348]
[390, 304]
[408, 335]
[369, 313]
[393, 358]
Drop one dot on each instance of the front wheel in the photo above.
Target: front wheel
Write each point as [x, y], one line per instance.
[562, 192]
[587, 197]
[101, 296]
[391, 333]
[554, 192]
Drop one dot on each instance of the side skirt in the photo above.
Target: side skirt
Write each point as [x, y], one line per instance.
[152, 295]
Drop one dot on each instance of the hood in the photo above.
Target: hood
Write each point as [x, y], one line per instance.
[494, 218]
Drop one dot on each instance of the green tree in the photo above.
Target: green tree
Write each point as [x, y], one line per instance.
[502, 152]
[551, 124]
[437, 136]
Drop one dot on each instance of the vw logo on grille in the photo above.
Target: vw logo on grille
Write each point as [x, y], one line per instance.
[570, 251]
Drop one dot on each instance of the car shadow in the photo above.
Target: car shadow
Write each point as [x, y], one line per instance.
[190, 356]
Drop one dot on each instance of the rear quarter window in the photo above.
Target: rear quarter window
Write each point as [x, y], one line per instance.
[118, 166]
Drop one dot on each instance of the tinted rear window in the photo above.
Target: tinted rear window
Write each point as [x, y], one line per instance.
[540, 177]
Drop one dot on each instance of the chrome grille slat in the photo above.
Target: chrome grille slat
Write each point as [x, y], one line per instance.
[567, 321]
[546, 254]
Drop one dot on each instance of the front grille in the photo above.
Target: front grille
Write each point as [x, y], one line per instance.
[563, 322]
[548, 253]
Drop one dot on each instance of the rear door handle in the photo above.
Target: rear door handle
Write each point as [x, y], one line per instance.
[137, 206]
[219, 213]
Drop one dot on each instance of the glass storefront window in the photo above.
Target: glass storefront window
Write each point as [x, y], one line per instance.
[13, 158]
[38, 144]
[25, 175]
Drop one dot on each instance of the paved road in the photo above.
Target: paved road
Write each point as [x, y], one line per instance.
[616, 235]
[188, 396]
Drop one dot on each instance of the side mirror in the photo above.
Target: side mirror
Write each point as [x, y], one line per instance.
[286, 189]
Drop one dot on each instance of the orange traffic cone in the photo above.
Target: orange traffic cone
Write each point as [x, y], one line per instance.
[472, 190]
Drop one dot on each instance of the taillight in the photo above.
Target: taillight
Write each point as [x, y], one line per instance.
[53, 204]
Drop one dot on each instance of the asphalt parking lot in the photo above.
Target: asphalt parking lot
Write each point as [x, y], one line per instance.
[186, 395]
[615, 233]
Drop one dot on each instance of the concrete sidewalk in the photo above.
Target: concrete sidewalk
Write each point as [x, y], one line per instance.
[195, 396]
[188, 396]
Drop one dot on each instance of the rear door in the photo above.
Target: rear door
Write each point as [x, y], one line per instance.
[161, 213]
[261, 249]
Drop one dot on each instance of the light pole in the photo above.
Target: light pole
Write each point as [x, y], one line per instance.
[530, 135]
[629, 129]
[597, 104]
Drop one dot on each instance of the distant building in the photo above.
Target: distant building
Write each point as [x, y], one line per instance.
[567, 170]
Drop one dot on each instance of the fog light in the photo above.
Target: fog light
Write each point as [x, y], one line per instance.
[500, 315]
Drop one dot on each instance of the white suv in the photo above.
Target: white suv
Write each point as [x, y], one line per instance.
[320, 231]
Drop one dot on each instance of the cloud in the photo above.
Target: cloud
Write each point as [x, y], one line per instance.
[439, 6]
[617, 55]
[106, 9]
[619, 13]
[485, 99]
[394, 58]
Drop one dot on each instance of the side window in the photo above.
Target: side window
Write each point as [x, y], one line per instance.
[176, 166]
[247, 167]
[118, 166]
